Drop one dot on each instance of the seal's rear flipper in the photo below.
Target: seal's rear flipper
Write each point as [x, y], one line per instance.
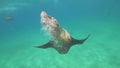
[75, 41]
[47, 45]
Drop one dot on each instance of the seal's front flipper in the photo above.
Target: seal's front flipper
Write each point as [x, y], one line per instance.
[47, 45]
[75, 41]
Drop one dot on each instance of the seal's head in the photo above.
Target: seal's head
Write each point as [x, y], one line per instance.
[51, 25]
[48, 21]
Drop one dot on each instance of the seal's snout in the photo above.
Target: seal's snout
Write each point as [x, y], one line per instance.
[43, 14]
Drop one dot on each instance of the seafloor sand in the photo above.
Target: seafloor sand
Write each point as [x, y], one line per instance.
[101, 50]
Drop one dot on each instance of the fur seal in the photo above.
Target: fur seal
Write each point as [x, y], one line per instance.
[61, 40]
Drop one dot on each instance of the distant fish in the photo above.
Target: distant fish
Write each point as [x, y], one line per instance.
[61, 40]
[8, 17]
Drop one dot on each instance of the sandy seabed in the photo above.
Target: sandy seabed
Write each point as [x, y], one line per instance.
[101, 50]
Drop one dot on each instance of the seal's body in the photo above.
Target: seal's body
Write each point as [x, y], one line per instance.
[61, 40]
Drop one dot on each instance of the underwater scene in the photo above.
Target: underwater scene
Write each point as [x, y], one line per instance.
[50, 33]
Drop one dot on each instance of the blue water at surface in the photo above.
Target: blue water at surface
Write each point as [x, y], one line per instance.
[20, 33]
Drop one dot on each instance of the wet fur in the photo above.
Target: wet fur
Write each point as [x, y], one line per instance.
[61, 40]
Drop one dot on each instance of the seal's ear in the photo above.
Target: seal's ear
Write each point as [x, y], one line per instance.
[75, 41]
[47, 45]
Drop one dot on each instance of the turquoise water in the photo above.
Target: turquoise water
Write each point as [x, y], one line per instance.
[18, 35]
